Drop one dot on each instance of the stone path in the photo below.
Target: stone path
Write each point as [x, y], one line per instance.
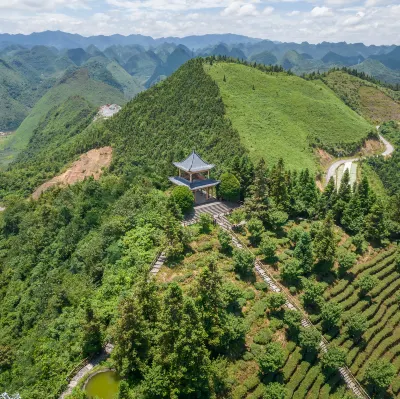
[86, 368]
[274, 286]
[158, 264]
[216, 208]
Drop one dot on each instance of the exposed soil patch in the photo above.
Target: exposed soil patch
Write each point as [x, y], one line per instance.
[377, 106]
[372, 147]
[325, 159]
[90, 164]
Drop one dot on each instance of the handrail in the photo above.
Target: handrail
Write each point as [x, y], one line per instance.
[295, 303]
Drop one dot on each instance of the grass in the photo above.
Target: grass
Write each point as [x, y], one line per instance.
[284, 115]
[79, 83]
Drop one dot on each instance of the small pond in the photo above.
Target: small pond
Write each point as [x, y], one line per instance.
[103, 385]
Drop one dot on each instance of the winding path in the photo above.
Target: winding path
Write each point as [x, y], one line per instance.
[332, 169]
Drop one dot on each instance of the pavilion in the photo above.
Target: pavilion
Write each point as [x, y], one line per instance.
[194, 173]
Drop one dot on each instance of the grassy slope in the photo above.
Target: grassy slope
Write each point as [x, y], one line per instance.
[79, 83]
[284, 114]
[375, 103]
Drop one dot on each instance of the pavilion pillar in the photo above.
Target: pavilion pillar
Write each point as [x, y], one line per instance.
[191, 178]
[179, 172]
[208, 174]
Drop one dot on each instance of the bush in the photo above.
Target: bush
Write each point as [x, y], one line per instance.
[292, 319]
[333, 358]
[229, 188]
[359, 242]
[272, 359]
[243, 261]
[346, 260]
[183, 197]
[379, 374]
[356, 324]
[276, 300]
[291, 271]
[249, 294]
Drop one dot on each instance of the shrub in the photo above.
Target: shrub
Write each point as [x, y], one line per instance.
[360, 243]
[183, 197]
[312, 292]
[291, 271]
[294, 234]
[272, 359]
[379, 374]
[225, 241]
[292, 319]
[249, 294]
[333, 358]
[229, 188]
[243, 261]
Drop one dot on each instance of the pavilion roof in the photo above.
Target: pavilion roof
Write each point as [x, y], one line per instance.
[195, 185]
[193, 163]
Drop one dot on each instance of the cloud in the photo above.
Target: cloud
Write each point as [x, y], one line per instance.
[268, 10]
[321, 12]
[237, 8]
[31, 5]
[293, 13]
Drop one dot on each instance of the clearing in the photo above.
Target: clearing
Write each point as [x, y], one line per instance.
[89, 164]
[281, 116]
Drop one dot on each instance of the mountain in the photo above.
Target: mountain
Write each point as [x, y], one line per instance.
[379, 71]
[142, 66]
[374, 102]
[301, 63]
[179, 56]
[391, 60]
[336, 59]
[265, 58]
[282, 116]
[74, 83]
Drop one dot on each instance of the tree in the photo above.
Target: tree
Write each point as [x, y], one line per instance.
[272, 359]
[330, 314]
[359, 242]
[356, 324]
[344, 192]
[292, 319]
[205, 222]
[324, 242]
[304, 252]
[256, 230]
[376, 223]
[291, 271]
[309, 339]
[366, 283]
[183, 197]
[346, 260]
[243, 261]
[225, 241]
[312, 293]
[123, 390]
[276, 300]
[353, 215]
[268, 246]
[229, 188]
[379, 374]
[278, 186]
[333, 358]
[91, 333]
[328, 198]
[275, 390]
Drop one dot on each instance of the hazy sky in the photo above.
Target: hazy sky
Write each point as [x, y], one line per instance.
[368, 21]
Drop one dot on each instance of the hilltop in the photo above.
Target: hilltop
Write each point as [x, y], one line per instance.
[282, 116]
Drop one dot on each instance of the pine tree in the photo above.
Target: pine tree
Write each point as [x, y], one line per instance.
[344, 192]
[328, 198]
[304, 252]
[353, 215]
[324, 242]
[278, 185]
[376, 223]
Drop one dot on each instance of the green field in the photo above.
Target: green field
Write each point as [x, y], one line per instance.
[78, 84]
[284, 114]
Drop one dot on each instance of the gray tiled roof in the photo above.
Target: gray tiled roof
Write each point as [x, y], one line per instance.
[195, 185]
[193, 163]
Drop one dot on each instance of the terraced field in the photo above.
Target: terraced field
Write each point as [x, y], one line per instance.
[381, 308]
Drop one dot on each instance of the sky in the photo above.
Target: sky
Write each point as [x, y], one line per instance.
[367, 21]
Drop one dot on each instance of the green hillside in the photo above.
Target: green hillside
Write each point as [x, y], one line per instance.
[74, 83]
[284, 115]
[373, 102]
[379, 71]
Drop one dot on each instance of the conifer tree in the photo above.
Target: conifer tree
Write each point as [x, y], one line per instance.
[328, 198]
[344, 192]
[304, 252]
[324, 242]
[376, 223]
[278, 185]
[353, 215]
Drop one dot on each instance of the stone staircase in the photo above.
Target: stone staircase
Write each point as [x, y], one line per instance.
[215, 209]
[274, 286]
